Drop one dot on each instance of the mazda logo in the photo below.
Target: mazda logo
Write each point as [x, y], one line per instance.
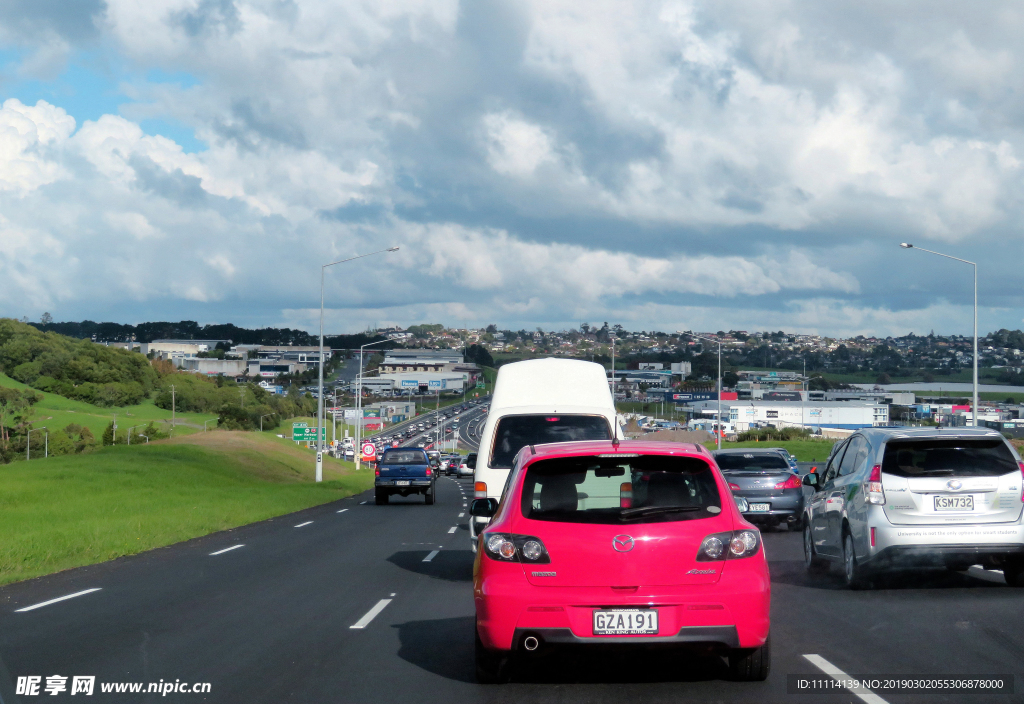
[622, 543]
[954, 484]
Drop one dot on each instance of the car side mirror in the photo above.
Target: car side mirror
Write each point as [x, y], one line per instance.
[483, 508]
[811, 480]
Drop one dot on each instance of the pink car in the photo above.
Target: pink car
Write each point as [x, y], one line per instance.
[618, 543]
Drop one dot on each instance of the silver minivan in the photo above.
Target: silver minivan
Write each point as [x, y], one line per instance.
[893, 498]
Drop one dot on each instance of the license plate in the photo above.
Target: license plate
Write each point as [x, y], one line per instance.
[401, 482]
[759, 508]
[625, 622]
[954, 503]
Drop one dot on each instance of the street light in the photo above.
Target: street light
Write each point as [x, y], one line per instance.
[267, 415]
[359, 401]
[974, 407]
[718, 433]
[212, 420]
[130, 431]
[320, 399]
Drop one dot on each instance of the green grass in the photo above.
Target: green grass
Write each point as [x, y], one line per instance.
[804, 450]
[56, 412]
[78, 510]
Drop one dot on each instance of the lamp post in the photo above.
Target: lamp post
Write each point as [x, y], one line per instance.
[266, 415]
[974, 406]
[320, 395]
[212, 420]
[718, 434]
[359, 401]
[130, 431]
[144, 436]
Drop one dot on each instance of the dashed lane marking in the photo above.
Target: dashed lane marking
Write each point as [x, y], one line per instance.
[343, 510]
[462, 514]
[453, 529]
[303, 524]
[233, 547]
[60, 598]
[431, 556]
[371, 614]
[865, 694]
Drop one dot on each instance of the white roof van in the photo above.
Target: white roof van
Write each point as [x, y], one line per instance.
[535, 402]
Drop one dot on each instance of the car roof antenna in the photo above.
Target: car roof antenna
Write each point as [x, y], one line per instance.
[615, 441]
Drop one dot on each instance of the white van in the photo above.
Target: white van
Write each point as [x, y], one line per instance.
[535, 402]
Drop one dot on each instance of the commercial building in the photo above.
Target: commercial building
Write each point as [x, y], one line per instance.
[425, 372]
[292, 353]
[211, 366]
[272, 368]
[746, 414]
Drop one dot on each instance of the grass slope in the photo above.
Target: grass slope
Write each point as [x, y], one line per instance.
[804, 450]
[82, 509]
[56, 412]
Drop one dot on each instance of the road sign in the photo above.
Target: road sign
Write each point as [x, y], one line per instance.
[369, 452]
[303, 433]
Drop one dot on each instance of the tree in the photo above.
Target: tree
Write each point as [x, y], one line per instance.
[883, 378]
[479, 355]
[46, 319]
[492, 328]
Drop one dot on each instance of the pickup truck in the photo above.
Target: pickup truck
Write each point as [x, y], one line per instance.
[404, 471]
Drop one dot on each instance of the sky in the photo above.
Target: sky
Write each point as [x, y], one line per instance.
[748, 165]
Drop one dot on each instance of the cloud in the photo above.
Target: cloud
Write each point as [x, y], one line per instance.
[29, 136]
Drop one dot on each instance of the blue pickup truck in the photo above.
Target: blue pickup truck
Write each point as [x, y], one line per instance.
[404, 471]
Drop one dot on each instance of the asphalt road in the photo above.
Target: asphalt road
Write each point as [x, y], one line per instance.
[272, 621]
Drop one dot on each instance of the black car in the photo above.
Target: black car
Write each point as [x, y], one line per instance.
[773, 491]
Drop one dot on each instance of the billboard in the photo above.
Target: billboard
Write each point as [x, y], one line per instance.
[782, 396]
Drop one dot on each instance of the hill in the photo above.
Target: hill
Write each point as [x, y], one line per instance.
[82, 509]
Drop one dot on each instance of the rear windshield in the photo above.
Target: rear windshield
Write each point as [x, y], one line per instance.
[404, 457]
[644, 489]
[751, 461]
[953, 457]
[516, 432]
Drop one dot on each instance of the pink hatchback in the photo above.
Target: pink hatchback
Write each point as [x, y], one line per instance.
[618, 543]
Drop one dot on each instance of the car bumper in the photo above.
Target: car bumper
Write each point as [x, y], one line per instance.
[785, 504]
[731, 613]
[896, 545]
[393, 484]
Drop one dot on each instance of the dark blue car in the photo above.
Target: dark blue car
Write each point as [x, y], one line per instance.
[404, 471]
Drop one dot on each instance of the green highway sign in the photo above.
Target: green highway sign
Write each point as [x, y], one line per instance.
[479, 384]
[303, 433]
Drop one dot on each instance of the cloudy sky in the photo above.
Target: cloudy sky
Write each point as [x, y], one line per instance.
[663, 165]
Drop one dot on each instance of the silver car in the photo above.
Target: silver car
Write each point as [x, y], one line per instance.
[914, 497]
[772, 489]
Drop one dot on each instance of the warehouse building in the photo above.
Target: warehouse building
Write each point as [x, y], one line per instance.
[747, 415]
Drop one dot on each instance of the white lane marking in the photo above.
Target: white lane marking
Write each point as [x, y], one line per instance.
[392, 593]
[363, 503]
[462, 514]
[431, 556]
[343, 510]
[371, 614]
[60, 598]
[453, 529]
[865, 694]
[303, 524]
[233, 547]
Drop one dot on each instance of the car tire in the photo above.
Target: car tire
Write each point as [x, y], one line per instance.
[812, 561]
[428, 497]
[853, 572]
[1013, 573]
[751, 664]
[492, 667]
[380, 497]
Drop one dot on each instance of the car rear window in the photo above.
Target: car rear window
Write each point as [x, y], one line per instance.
[404, 457]
[952, 457]
[513, 433]
[751, 461]
[623, 490]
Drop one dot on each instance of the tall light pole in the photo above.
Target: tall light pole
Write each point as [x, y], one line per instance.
[974, 406]
[130, 431]
[261, 420]
[359, 400]
[320, 395]
[718, 434]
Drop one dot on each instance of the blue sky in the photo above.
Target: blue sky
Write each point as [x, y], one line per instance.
[663, 165]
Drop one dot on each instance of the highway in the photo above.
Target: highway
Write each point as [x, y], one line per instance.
[352, 602]
[470, 425]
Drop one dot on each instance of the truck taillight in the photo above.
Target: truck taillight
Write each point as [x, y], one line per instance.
[793, 482]
[874, 487]
[376, 472]
[480, 490]
[428, 471]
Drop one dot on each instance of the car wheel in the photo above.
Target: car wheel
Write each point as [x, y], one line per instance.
[1013, 573]
[812, 561]
[380, 497]
[428, 497]
[492, 667]
[853, 573]
[751, 664]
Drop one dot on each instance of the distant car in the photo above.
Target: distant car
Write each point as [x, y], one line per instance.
[404, 471]
[785, 454]
[467, 465]
[773, 490]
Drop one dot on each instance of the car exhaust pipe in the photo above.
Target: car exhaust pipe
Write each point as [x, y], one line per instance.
[531, 643]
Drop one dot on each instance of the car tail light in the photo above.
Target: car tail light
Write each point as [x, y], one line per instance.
[734, 487]
[875, 494]
[872, 536]
[793, 482]
[480, 490]
[428, 471]
[625, 495]
[376, 472]
[507, 547]
[730, 545]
